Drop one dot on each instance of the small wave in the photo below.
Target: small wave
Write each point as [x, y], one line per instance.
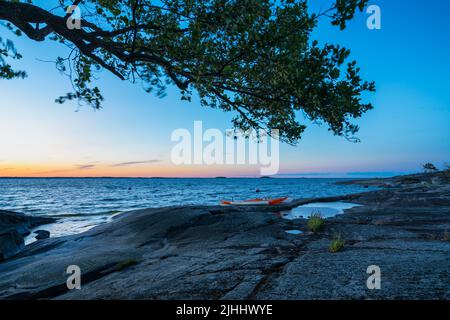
[110, 199]
[72, 215]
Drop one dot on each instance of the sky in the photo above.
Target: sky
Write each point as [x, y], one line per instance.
[131, 136]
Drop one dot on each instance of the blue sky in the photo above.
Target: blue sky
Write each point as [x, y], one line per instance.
[408, 58]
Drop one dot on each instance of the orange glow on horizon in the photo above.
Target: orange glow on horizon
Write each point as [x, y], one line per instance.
[149, 170]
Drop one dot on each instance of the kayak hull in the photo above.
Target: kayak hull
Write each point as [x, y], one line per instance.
[254, 202]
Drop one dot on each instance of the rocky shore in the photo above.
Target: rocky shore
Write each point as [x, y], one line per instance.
[212, 252]
[13, 228]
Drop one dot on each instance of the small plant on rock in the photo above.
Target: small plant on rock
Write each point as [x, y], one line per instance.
[337, 244]
[315, 222]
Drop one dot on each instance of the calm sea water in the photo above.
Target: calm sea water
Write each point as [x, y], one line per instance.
[83, 203]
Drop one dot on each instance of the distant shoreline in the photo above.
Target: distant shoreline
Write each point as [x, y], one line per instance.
[220, 178]
[355, 175]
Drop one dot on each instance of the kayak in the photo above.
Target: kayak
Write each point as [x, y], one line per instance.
[254, 202]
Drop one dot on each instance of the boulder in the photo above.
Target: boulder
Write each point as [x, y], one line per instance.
[42, 234]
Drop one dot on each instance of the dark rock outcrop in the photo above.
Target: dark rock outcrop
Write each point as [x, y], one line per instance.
[13, 228]
[418, 179]
[11, 242]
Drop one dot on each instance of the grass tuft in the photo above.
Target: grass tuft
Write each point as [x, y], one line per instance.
[337, 244]
[315, 222]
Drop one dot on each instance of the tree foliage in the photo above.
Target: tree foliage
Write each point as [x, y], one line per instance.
[7, 50]
[254, 57]
[429, 167]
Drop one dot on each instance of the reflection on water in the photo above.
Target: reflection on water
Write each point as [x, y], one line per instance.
[326, 209]
[294, 232]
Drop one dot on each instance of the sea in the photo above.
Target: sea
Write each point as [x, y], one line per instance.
[82, 203]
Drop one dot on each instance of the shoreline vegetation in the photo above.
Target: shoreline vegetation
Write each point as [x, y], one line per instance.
[213, 252]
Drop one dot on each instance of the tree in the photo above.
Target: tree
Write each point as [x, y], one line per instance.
[254, 57]
[429, 168]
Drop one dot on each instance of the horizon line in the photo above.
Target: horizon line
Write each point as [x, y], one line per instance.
[355, 177]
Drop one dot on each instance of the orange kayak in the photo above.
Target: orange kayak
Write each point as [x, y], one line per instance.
[254, 202]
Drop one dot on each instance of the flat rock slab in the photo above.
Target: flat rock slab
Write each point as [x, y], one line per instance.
[203, 252]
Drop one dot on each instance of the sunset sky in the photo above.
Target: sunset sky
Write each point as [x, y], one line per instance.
[408, 58]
